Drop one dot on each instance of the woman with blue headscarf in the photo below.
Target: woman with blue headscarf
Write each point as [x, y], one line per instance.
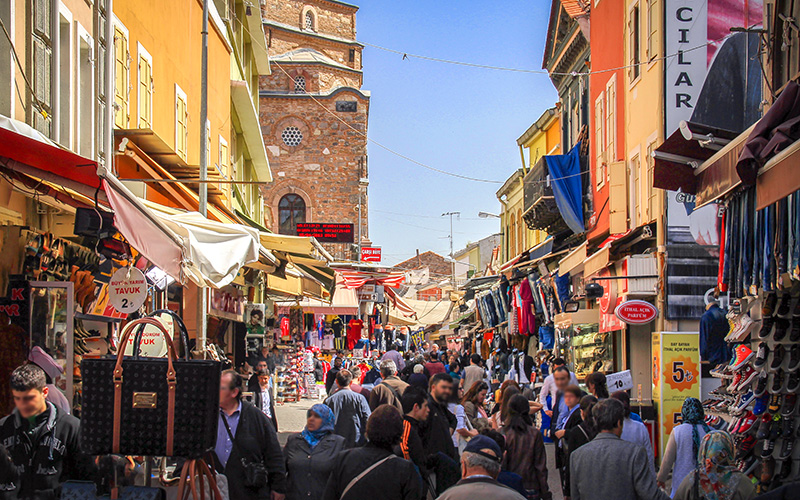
[310, 455]
[716, 477]
[680, 455]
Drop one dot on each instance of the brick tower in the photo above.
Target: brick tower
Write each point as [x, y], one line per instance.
[314, 116]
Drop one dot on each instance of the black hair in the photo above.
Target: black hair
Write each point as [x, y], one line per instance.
[496, 437]
[589, 424]
[560, 369]
[27, 377]
[257, 312]
[519, 414]
[235, 382]
[343, 378]
[559, 361]
[575, 391]
[340, 360]
[475, 358]
[625, 399]
[608, 413]
[441, 377]
[385, 427]
[414, 396]
[598, 381]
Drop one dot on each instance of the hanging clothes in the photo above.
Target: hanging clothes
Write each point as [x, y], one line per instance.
[527, 320]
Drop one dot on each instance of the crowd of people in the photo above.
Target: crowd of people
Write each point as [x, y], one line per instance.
[423, 426]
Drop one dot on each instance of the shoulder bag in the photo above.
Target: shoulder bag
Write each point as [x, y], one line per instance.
[255, 474]
[363, 474]
[462, 441]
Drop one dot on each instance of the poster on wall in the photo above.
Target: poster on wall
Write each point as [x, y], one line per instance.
[676, 376]
[709, 58]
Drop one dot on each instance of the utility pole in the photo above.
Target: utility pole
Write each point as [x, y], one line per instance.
[202, 291]
[452, 264]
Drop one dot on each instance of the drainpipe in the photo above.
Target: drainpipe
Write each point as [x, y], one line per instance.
[522, 157]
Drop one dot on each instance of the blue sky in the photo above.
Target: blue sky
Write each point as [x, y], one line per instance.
[454, 118]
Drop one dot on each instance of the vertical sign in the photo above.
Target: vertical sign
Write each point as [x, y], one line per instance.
[679, 378]
[686, 34]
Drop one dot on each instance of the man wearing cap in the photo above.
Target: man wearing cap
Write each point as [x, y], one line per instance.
[480, 465]
[52, 371]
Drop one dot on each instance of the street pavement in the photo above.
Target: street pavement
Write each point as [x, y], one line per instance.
[292, 419]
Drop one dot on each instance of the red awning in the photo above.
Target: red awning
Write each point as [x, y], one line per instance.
[24, 144]
[358, 278]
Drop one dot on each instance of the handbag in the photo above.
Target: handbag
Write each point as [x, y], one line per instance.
[194, 476]
[83, 490]
[149, 406]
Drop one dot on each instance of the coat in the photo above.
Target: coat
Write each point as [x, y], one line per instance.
[395, 479]
[47, 458]
[608, 456]
[480, 488]
[525, 455]
[255, 441]
[352, 411]
[381, 394]
[307, 470]
[437, 430]
[254, 387]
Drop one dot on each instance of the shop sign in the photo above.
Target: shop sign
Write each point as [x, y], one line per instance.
[608, 303]
[370, 254]
[620, 381]
[127, 290]
[326, 232]
[16, 305]
[636, 312]
[372, 293]
[255, 324]
[228, 304]
[678, 377]
[153, 344]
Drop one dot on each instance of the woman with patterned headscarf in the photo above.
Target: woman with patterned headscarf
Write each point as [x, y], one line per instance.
[716, 477]
[310, 455]
[680, 455]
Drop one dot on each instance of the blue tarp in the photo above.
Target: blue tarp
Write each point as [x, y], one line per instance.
[565, 176]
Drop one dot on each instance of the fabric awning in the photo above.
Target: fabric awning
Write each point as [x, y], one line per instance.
[400, 304]
[565, 176]
[344, 301]
[354, 278]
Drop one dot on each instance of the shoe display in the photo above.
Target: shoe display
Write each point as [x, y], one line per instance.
[744, 401]
[787, 427]
[786, 470]
[746, 446]
[766, 327]
[789, 402]
[793, 383]
[761, 384]
[764, 427]
[783, 305]
[768, 449]
[748, 465]
[767, 470]
[781, 327]
[762, 355]
[778, 355]
[794, 358]
[786, 449]
[746, 423]
[768, 308]
[777, 382]
[737, 378]
[762, 402]
[775, 403]
[794, 334]
[747, 375]
[743, 354]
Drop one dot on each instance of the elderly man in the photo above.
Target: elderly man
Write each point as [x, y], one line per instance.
[395, 356]
[351, 411]
[608, 467]
[390, 390]
[480, 465]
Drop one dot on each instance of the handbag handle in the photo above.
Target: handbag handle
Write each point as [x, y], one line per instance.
[183, 333]
[171, 383]
[193, 472]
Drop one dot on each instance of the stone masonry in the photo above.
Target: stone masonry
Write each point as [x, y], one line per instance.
[315, 87]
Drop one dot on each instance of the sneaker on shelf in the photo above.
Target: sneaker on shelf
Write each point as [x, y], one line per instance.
[794, 358]
[748, 374]
[749, 464]
[762, 355]
[786, 449]
[778, 355]
[744, 401]
[745, 447]
[733, 426]
[777, 382]
[734, 385]
[766, 327]
[717, 370]
[775, 403]
[743, 354]
[747, 422]
[762, 383]
[768, 470]
[786, 470]
[769, 447]
[762, 402]
[781, 327]
[768, 308]
[794, 334]
[787, 427]
[789, 403]
[783, 305]
[764, 426]
[793, 382]
[796, 310]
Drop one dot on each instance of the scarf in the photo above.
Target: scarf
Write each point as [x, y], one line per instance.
[328, 420]
[692, 413]
[718, 479]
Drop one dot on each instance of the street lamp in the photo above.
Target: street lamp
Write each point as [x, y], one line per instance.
[486, 215]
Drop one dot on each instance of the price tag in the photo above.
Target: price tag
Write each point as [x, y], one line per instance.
[620, 381]
[153, 344]
[127, 290]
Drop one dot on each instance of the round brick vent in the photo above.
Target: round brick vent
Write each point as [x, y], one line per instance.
[292, 136]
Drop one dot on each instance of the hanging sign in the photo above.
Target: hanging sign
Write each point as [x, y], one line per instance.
[153, 344]
[636, 312]
[370, 254]
[127, 290]
[620, 381]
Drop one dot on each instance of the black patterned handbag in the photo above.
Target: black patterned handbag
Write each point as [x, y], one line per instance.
[149, 406]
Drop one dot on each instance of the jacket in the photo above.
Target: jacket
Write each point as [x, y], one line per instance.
[352, 411]
[434, 367]
[571, 424]
[395, 479]
[255, 441]
[381, 394]
[608, 456]
[307, 470]
[319, 372]
[526, 456]
[45, 457]
[410, 446]
[254, 387]
[437, 430]
[480, 487]
[330, 380]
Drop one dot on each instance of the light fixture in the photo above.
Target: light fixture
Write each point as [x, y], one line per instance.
[486, 215]
[247, 10]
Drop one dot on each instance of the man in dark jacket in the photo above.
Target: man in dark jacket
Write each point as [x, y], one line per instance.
[244, 438]
[385, 475]
[415, 405]
[261, 387]
[351, 410]
[330, 378]
[437, 434]
[319, 373]
[43, 442]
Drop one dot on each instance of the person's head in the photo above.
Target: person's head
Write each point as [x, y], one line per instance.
[625, 399]
[388, 368]
[261, 365]
[455, 367]
[256, 317]
[425, 345]
[596, 383]
[230, 387]
[561, 377]
[497, 437]
[692, 411]
[506, 384]
[716, 451]
[415, 403]
[344, 378]
[587, 403]
[481, 456]
[385, 427]
[418, 368]
[265, 351]
[29, 388]
[320, 418]
[275, 350]
[609, 415]
[475, 359]
[558, 362]
[519, 414]
[337, 363]
[356, 372]
[572, 396]
[441, 387]
[476, 394]
[263, 377]
[505, 396]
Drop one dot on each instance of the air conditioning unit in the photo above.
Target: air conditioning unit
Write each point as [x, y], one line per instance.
[639, 269]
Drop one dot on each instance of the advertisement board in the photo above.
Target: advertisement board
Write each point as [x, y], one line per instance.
[370, 254]
[676, 376]
[327, 232]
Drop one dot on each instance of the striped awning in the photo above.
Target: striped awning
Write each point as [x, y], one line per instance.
[357, 278]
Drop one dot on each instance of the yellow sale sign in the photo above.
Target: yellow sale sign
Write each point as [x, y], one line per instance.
[676, 376]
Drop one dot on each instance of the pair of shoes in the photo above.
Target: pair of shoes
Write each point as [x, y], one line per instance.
[742, 354]
[742, 378]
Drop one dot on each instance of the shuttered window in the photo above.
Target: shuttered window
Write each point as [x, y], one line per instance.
[42, 65]
[181, 122]
[634, 42]
[652, 29]
[121, 77]
[145, 88]
[611, 119]
[599, 140]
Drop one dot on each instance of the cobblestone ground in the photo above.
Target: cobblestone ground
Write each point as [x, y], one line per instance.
[292, 418]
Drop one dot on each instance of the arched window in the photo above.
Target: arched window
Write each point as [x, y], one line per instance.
[512, 237]
[309, 20]
[291, 211]
[520, 233]
[300, 84]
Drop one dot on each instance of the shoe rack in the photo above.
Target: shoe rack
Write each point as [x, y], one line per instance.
[757, 401]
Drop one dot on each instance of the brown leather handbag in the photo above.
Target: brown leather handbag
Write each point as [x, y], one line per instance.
[149, 406]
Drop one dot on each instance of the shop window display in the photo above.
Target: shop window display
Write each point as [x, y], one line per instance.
[591, 351]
